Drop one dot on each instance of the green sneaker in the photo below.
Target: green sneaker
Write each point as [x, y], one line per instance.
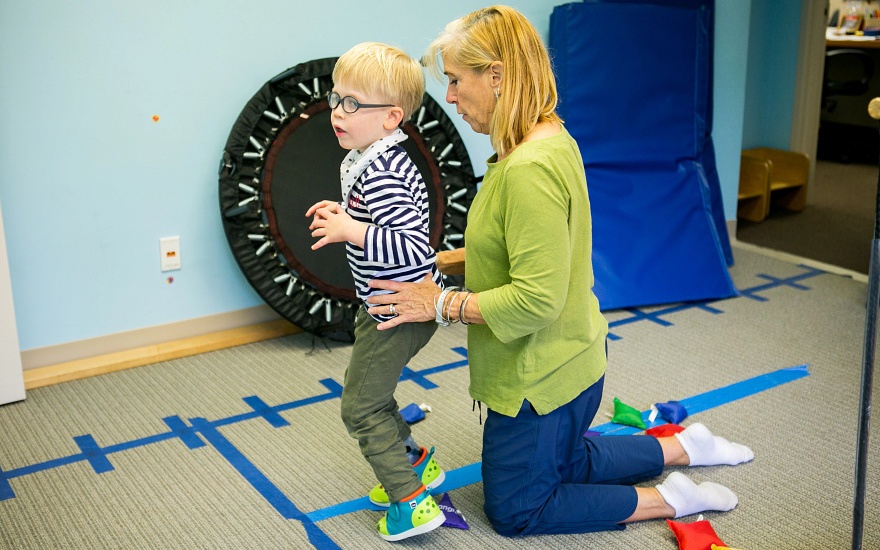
[426, 467]
[408, 518]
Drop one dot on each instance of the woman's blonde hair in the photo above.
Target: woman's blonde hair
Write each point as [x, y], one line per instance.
[528, 87]
[383, 71]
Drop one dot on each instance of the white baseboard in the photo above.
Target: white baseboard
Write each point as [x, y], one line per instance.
[149, 336]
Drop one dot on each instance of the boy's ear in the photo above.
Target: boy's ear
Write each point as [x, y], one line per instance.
[394, 118]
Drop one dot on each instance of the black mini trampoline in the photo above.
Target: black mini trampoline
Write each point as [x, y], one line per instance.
[281, 157]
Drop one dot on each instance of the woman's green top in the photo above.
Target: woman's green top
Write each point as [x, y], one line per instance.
[528, 255]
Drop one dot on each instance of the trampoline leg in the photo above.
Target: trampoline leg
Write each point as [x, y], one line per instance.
[872, 307]
[872, 304]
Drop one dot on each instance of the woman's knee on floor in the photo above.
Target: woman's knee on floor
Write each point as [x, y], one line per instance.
[504, 526]
[507, 520]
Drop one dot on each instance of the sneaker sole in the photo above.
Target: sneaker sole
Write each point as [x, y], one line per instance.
[424, 528]
[433, 485]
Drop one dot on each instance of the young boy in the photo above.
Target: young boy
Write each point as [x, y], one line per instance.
[383, 220]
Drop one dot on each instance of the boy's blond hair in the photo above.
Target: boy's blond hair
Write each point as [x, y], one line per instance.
[528, 87]
[383, 71]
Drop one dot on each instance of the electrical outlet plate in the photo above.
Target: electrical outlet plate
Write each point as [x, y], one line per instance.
[169, 251]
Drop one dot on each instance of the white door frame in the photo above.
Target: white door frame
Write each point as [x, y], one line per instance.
[11, 375]
[808, 82]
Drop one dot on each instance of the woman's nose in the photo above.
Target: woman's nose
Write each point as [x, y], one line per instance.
[450, 95]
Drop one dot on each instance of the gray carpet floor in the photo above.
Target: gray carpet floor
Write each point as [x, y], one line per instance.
[258, 466]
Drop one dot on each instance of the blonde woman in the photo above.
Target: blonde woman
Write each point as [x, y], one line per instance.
[536, 337]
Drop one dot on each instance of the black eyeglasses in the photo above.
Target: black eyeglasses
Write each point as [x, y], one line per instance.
[349, 104]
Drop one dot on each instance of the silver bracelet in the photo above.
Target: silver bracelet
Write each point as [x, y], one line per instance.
[449, 308]
[462, 307]
[438, 307]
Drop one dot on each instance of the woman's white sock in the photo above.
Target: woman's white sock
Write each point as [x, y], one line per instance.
[705, 449]
[689, 498]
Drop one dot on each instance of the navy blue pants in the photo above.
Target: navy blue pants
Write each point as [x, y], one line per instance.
[540, 475]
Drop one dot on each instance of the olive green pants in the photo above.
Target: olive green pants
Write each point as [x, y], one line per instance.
[369, 410]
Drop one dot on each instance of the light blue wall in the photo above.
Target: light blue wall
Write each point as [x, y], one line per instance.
[772, 69]
[731, 57]
[89, 183]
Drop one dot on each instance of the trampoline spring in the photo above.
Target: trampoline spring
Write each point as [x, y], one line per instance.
[304, 88]
[429, 125]
[314, 309]
[256, 237]
[452, 163]
[449, 246]
[454, 237]
[247, 200]
[290, 286]
[420, 117]
[316, 84]
[247, 188]
[257, 144]
[236, 211]
[280, 107]
[272, 115]
[458, 207]
[458, 193]
[250, 155]
[264, 247]
[281, 278]
[328, 312]
[445, 152]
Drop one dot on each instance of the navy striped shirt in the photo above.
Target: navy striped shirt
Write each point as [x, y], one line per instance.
[391, 198]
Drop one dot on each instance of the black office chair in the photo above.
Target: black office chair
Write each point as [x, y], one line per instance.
[842, 62]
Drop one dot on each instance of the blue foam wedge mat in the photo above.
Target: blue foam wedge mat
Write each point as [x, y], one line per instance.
[635, 86]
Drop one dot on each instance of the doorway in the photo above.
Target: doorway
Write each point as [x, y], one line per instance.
[836, 226]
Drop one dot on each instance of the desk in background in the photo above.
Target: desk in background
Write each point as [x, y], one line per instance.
[839, 42]
[846, 132]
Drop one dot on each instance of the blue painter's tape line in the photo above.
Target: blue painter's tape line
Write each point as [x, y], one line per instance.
[711, 399]
[421, 377]
[304, 402]
[264, 410]
[332, 385]
[93, 453]
[184, 432]
[418, 378]
[362, 503]
[42, 466]
[460, 477]
[6, 491]
[262, 484]
[715, 398]
[706, 307]
[142, 442]
[639, 315]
